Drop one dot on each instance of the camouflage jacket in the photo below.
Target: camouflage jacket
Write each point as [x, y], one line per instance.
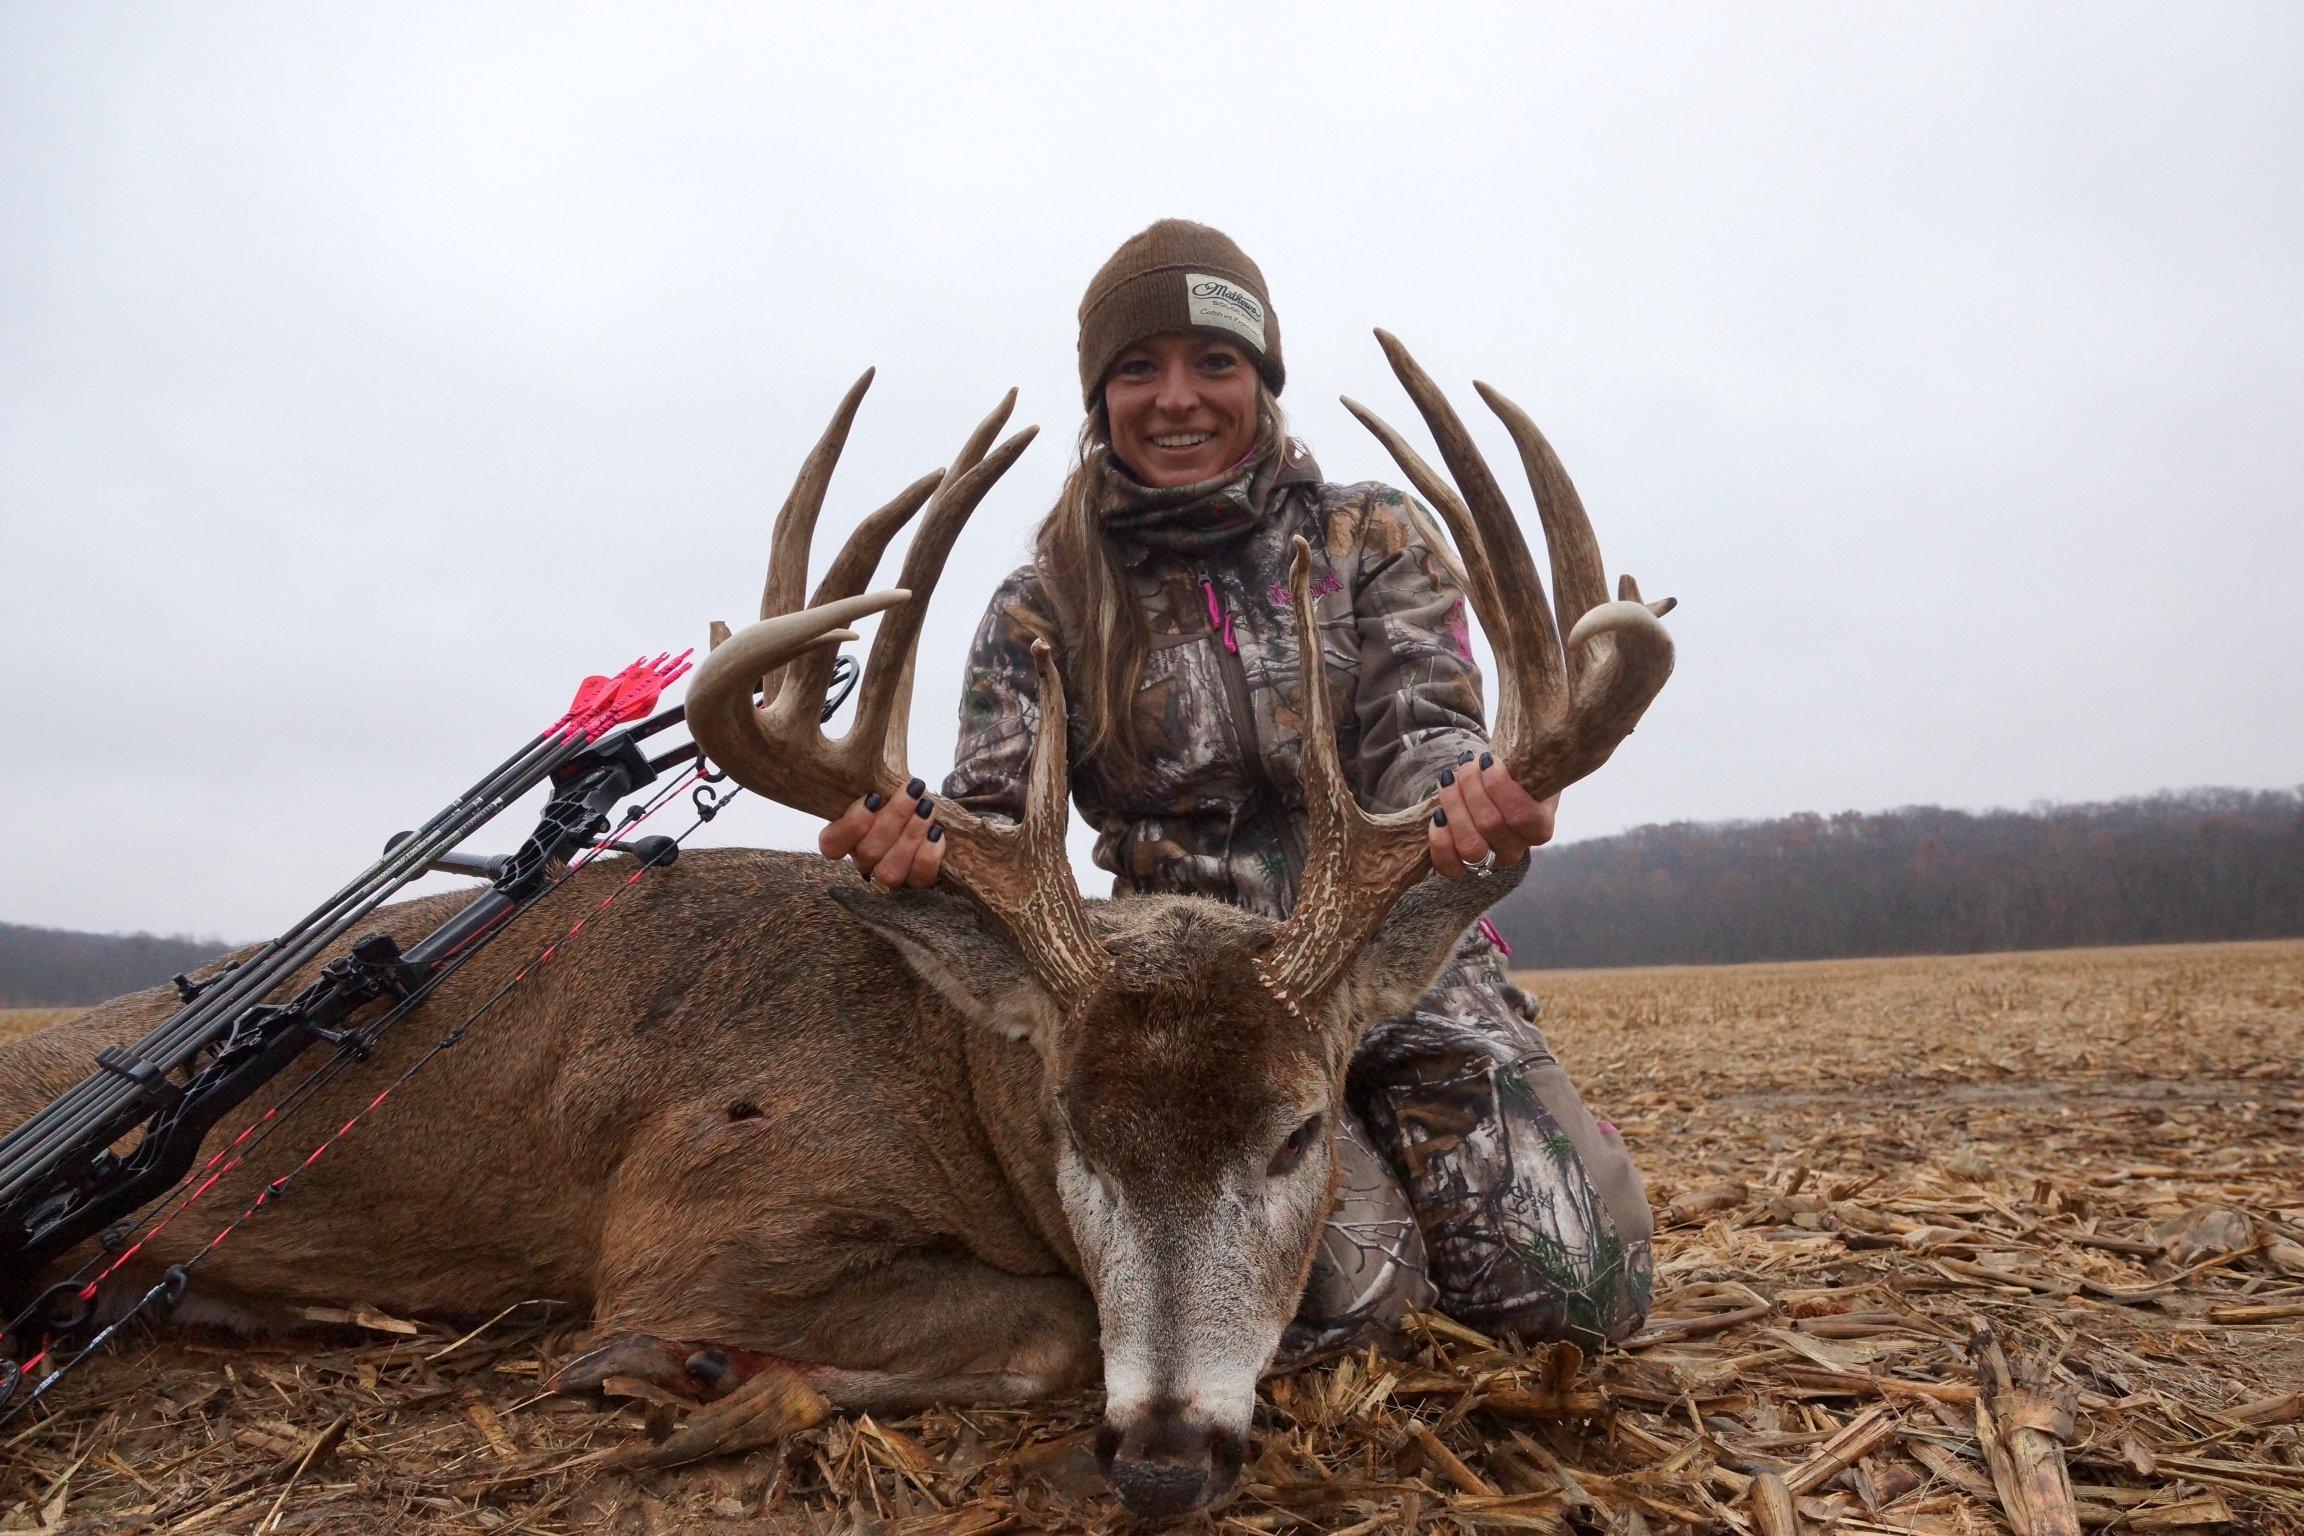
[1214, 805]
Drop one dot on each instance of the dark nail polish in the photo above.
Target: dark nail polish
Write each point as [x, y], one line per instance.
[1487, 760]
[873, 801]
[1447, 777]
[1461, 761]
[925, 808]
[936, 833]
[915, 787]
[1439, 818]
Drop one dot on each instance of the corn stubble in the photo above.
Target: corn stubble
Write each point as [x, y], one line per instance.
[1960, 1245]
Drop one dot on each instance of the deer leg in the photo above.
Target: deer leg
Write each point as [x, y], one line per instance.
[926, 1328]
[704, 1372]
[686, 1368]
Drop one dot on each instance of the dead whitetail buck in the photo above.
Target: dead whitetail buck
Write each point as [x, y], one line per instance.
[929, 1146]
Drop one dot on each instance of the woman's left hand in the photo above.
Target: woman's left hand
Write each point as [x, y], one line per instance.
[1483, 810]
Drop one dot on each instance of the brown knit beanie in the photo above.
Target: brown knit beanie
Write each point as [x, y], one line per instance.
[1176, 276]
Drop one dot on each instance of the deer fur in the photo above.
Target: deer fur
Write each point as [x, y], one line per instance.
[761, 1110]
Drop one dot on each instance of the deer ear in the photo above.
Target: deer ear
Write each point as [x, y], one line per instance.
[943, 940]
[1407, 953]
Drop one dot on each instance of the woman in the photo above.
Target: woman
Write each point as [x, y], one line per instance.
[1474, 1178]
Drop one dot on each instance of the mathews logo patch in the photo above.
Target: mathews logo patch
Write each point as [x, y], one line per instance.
[1226, 306]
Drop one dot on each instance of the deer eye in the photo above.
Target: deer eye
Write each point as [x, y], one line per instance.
[1292, 1150]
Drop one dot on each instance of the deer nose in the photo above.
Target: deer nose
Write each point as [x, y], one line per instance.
[1167, 1464]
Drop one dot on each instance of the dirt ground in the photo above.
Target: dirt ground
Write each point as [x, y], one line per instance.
[1940, 1238]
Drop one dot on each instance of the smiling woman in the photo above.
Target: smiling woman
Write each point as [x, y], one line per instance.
[1183, 408]
[1472, 1174]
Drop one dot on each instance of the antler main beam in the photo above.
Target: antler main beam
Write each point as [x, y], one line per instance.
[1562, 709]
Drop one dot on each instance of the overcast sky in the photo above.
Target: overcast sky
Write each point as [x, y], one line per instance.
[369, 374]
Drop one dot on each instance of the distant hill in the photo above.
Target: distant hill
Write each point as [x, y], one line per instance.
[57, 968]
[2172, 868]
[2197, 865]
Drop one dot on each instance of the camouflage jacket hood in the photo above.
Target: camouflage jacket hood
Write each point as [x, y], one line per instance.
[1214, 805]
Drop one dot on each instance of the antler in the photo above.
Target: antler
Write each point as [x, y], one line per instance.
[1560, 710]
[1018, 872]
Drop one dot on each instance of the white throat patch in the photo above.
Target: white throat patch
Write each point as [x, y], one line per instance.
[1224, 305]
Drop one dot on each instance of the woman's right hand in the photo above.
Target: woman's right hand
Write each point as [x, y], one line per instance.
[894, 842]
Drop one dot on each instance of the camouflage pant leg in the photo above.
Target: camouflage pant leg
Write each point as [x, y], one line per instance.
[1534, 1218]
[1369, 1270]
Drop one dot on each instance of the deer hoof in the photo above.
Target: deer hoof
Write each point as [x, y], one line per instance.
[699, 1373]
[713, 1369]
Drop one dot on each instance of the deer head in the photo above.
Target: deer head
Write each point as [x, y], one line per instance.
[1193, 1054]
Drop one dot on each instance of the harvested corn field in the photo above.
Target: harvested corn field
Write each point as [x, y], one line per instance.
[22, 1021]
[1949, 1245]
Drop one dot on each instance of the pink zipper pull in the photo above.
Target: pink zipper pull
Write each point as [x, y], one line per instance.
[1218, 619]
[1488, 932]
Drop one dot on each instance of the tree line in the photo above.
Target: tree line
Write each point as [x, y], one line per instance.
[2178, 867]
[57, 968]
[2174, 867]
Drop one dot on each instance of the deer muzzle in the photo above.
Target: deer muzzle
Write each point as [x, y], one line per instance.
[1168, 1460]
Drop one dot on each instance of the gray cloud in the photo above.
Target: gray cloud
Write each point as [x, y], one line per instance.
[367, 376]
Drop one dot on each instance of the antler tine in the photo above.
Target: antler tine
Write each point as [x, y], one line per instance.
[724, 722]
[1611, 685]
[1535, 681]
[1358, 864]
[888, 670]
[1615, 688]
[799, 700]
[1628, 591]
[1019, 871]
[971, 454]
[972, 451]
[796, 523]
[1328, 801]
[860, 556]
[1441, 495]
[1579, 580]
